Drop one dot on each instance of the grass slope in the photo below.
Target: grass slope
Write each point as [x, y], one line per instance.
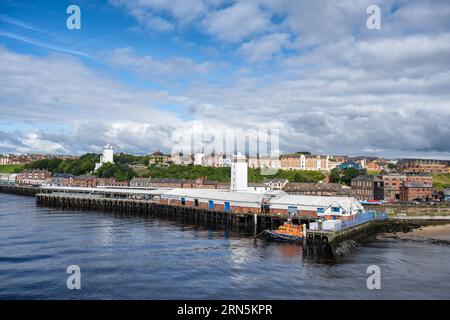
[441, 181]
[11, 168]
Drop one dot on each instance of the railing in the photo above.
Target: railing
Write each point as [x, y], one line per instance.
[362, 218]
[358, 219]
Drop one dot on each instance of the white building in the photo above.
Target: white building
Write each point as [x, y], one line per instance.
[8, 177]
[198, 159]
[180, 159]
[224, 162]
[4, 159]
[216, 160]
[239, 172]
[107, 156]
[277, 200]
[264, 162]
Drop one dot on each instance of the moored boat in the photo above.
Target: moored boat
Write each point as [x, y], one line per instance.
[288, 232]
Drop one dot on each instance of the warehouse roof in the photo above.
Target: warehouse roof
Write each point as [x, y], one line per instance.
[273, 197]
[347, 203]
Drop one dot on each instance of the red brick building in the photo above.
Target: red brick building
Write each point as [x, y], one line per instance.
[33, 177]
[416, 191]
[85, 181]
[112, 182]
[63, 179]
[317, 189]
[393, 183]
[178, 183]
[365, 187]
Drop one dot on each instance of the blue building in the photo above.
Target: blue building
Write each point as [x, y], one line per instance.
[447, 194]
[350, 164]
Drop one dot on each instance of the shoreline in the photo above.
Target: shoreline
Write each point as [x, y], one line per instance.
[437, 234]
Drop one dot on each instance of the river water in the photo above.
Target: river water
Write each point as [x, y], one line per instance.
[129, 257]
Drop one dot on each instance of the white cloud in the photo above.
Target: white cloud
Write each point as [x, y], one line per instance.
[237, 22]
[88, 106]
[264, 48]
[148, 66]
[339, 88]
[149, 12]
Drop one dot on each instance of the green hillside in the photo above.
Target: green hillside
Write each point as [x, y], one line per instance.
[11, 168]
[441, 181]
[223, 174]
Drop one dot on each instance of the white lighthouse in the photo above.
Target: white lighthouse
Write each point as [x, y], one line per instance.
[107, 156]
[239, 173]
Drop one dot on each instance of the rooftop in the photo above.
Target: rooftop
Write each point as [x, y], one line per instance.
[367, 178]
[293, 186]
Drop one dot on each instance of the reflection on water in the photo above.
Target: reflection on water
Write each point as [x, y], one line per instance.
[131, 257]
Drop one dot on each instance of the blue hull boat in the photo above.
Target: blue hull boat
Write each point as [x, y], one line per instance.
[283, 237]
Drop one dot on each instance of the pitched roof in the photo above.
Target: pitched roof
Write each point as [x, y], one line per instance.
[306, 186]
[346, 203]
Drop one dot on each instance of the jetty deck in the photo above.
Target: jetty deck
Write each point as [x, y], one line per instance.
[98, 202]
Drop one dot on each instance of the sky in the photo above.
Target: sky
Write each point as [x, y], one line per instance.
[139, 70]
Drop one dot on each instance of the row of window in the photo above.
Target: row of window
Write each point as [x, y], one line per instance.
[364, 191]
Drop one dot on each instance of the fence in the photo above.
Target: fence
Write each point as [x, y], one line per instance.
[362, 218]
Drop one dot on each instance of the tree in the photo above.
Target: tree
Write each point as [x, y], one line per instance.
[343, 176]
[335, 175]
[349, 174]
[118, 171]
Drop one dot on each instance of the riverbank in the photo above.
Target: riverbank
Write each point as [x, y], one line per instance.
[439, 234]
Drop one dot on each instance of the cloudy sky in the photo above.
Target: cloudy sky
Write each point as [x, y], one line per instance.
[138, 70]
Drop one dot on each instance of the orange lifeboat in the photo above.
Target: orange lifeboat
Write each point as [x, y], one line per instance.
[288, 232]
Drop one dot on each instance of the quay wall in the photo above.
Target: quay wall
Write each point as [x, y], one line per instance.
[20, 190]
[442, 209]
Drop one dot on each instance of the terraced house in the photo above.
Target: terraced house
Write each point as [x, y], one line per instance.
[310, 162]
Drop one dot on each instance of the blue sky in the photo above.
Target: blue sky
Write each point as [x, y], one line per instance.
[139, 70]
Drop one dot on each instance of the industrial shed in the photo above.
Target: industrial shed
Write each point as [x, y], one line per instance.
[277, 202]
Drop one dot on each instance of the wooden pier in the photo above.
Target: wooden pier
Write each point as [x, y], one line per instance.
[19, 190]
[315, 243]
[196, 215]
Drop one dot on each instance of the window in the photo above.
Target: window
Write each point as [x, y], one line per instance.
[196, 202]
[335, 209]
[292, 210]
[320, 210]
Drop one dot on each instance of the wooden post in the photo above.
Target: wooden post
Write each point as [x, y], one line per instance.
[304, 236]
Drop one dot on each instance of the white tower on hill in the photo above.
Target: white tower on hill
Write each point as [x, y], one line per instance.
[239, 173]
[198, 159]
[107, 156]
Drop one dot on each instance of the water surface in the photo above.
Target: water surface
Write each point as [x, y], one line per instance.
[130, 257]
